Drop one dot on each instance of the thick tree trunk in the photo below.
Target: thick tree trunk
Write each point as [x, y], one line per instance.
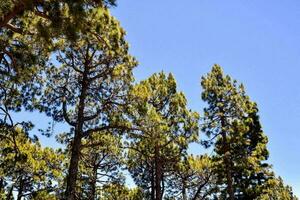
[73, 168]
[229, 180]
[76, 145]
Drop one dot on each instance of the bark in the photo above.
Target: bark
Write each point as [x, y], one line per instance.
[229, 179]
[76, 146]
[93, 183]
[73, 168]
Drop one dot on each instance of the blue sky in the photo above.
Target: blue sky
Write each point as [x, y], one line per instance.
[256, 42]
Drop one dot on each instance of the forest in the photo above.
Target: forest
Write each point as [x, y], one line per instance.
[69, 60]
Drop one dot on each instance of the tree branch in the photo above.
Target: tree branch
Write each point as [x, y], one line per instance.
[13, 28]
[19, 8]
[65, 114]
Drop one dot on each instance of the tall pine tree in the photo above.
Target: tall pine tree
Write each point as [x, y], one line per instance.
[164, 127]
[88, 83]
[231, 123]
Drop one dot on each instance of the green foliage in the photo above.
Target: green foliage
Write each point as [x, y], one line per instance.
[95, 69]
[193, 179]
[275, 189]
[232, 123]
[118, 191]
[87, 83]
[28, 33]
[70, 60]
[164, 128]
[27, 169]
[100, 164]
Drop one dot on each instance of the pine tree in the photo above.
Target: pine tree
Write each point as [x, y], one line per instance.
[28, 30]
[28, 170]
[88, 82]
[118, 191]
[275, 189]
[100, 164]
[231, 123]
[164, 128]
[53, 13]
[194, 179]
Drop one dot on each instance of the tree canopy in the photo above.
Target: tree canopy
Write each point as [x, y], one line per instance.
[125, 139]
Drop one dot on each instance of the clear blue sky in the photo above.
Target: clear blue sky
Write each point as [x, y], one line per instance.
[255, 41]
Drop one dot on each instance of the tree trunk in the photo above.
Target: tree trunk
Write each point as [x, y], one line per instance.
[73, 168]
[93, 183]
[184, 196]
[9, 195]
[152, 184]
[20, 190]
[76, 145]
[227, 163]
[2, 185]
[158, 174]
